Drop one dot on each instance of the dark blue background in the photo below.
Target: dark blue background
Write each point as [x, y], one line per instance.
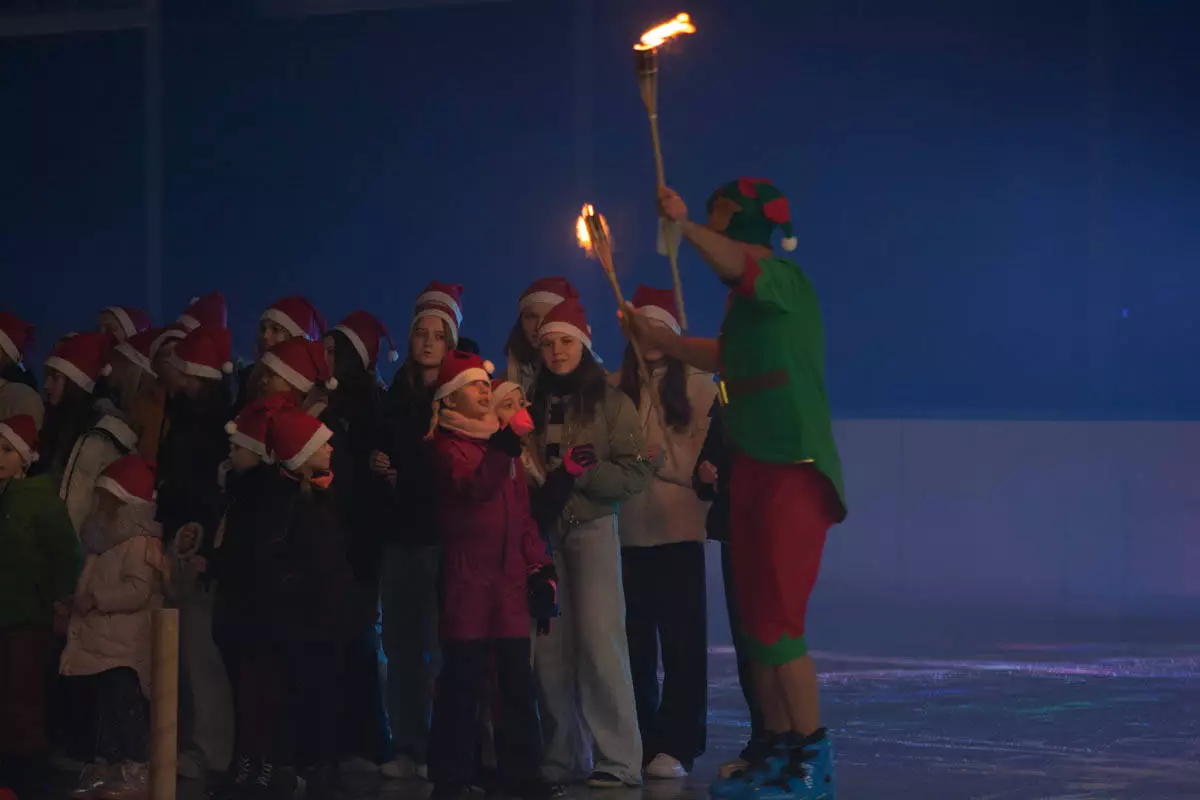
[998, 201]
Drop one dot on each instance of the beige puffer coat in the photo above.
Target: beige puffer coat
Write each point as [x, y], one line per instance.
[122, 582]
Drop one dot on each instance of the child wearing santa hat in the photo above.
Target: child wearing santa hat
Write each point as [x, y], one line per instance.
[121, 322]
[495, 561]
[523, 345]
[108, 651]
[39, 563]
[136, 389]
[18, 388]
[294, 612]
[299, 369]
[288, 318]
[589, 439]
[72, 369]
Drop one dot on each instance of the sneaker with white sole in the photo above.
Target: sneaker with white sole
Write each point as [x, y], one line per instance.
[664, 768]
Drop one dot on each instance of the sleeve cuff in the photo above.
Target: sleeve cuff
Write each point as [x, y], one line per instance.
[745, 286]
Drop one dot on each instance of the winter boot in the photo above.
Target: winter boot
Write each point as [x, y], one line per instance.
[764, 759]
[808, 774]
[132, 783]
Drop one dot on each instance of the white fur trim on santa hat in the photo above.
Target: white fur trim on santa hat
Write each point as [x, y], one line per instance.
[441, 298]
[200, 370]
[137, 358]
[440, 314]
[280, 368]
[189, 322]
[533, 298]
[284, 321]
[77, 376]
[10, 349]
[462, 379]
[358, 344]
[568, 329]
[119, 430]
[504, 390]
[662, 315]
[124, 320]
[247, 442]
[322, 435]
[28, 455]
[163, 338]
[119, 491]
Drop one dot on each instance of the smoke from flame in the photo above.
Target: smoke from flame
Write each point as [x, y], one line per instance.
[656, 37]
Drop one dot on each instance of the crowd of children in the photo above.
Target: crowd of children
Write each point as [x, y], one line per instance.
[427, 579]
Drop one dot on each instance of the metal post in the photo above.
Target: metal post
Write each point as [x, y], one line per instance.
[153, 158]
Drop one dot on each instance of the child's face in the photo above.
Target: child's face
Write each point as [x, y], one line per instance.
[473, 401]
[321, 460]
[243, 458]
[272, 383]
[270, 333]
[510, 404]
[428, 344]
[11, 463]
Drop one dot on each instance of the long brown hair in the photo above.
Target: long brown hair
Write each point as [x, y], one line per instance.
[672, 389]
[519, 346]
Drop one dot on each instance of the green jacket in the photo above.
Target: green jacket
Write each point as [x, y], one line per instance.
[40, 557]
[622, 471]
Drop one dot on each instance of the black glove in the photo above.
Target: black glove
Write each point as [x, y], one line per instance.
[506, 442]
[551, 498]
[542, 588]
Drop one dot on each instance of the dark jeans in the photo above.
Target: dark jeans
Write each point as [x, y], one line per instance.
[115, 713]
[665, 604]
[461, 691]
[739, 646]
[365, 719]
[410, 639]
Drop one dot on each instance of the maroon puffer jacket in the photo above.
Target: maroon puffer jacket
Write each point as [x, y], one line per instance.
[491, 543]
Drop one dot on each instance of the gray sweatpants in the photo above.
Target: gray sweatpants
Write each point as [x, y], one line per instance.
[589, 717]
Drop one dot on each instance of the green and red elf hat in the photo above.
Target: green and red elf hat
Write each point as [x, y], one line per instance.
[762, 208]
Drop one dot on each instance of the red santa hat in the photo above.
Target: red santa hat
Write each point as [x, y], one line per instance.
[297, 316]
[365, 332]
[249, 430]
[457, 370]
[132, 320]
[444, 301]
[130, 479]
[547, 290]
[300, 362]
[15, 335]
[658, 304]
[140, 348]
[293, 436]
[568, 317]
[22, 433]
[208, 311]
[204, 352]
[82, 358]
[502, 388]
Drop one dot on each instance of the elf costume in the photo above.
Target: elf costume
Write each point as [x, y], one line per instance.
[786, 479]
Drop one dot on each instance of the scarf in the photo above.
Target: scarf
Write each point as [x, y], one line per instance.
[453, 420]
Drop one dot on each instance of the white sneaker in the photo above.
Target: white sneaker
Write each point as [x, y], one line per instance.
[404, 768]
[664, 768]
[357, 764]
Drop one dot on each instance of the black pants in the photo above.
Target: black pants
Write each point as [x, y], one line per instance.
[665, 603]
[117, 719]
[739, 644]
[367, 730]
[462, 688]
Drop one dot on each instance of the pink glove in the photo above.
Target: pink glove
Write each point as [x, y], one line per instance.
[521, 423]
[580, 459]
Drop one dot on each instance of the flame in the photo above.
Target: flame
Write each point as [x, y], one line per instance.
[581, 227]
[657, 37]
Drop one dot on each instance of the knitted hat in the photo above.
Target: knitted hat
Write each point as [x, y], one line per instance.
[547, 290]
[132, 320]
[458, 369]
[301, 363]
[568, 317]
[22, 433]
[365, 331]
[658, 304]
[502, 388]
[208, 311]
[762, 207]
[15, 335]
[82, 357]
[297, 316]
[130, 478]
[444, 301]
[140, 347]
[294, 435]
[204, 353]
[249, 430]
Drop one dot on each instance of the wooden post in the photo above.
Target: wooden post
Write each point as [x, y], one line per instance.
[164, 704]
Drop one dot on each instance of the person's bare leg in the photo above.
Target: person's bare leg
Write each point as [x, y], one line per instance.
[771, 700]
[797, 683]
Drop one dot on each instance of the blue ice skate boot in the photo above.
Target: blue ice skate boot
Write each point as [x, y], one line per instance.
[765, 758]
[807, 775]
